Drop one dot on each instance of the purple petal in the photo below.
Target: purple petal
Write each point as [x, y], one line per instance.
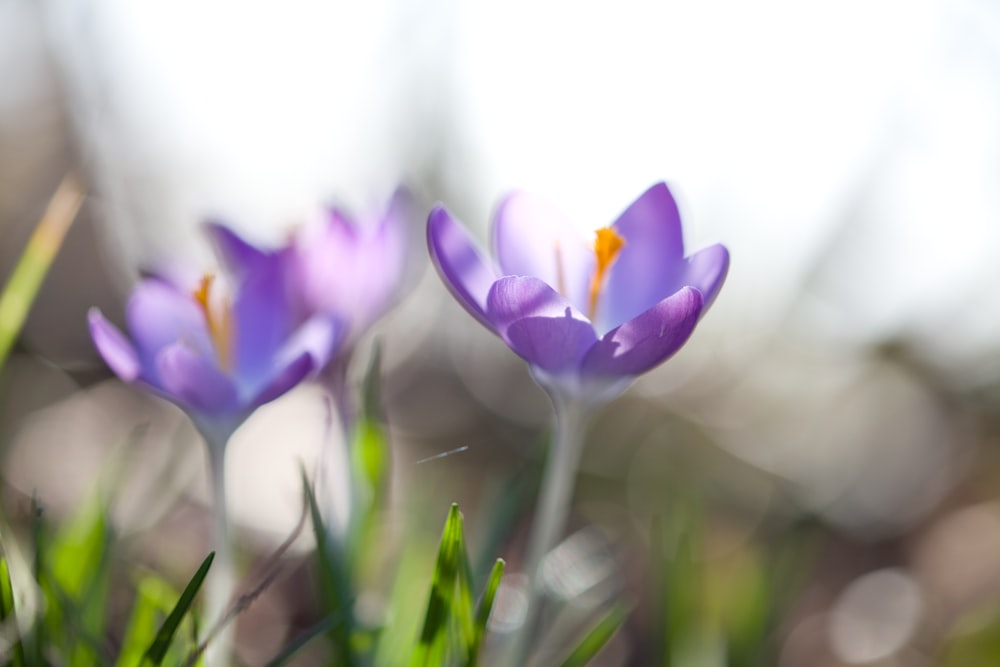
[539, 324]
[116, 350]
[352, 270]
[464, 272]
[285, 378]
[159, 314]
[195, 381]
[706, 270]
[238, 256]
[262, 319]
[318, 338]
[650, 266]
[533, 238]
[647, 340]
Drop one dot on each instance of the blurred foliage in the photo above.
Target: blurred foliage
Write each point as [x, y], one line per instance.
[22, 286]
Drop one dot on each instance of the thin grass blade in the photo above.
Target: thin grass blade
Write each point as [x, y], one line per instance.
[158, 649]
[335, 580]
[27, 276]
[484, 609]
[370, 459]
[432, 647]
[8, 612]
[597, 638]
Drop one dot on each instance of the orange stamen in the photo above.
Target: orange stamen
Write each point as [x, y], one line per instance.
[607, 245]
[220, 325]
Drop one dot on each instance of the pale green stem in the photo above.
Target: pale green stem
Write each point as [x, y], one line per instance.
[556, 491]
[335, 379]
[221, 582]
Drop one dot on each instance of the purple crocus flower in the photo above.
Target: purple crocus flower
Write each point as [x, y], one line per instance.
[337, 266]
[215, 357]
[588, 315]
[352, 267]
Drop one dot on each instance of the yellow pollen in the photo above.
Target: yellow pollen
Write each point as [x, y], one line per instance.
[220, 324]
[607, 245]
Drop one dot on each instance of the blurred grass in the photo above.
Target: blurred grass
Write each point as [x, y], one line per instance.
[25, 280]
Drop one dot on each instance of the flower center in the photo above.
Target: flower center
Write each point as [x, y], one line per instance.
[607, 245]
[218, 318]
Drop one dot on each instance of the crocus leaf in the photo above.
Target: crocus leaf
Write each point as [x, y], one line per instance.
[432, 646]
[370, 458]
[597, 637]
[484, 609]
[335, 580]
[158, 649]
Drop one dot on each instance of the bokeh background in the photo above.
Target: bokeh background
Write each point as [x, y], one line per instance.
[842, 397]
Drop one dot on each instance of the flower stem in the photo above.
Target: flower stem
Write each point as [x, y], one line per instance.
[222, 577]
[556, 496]
[334, 378]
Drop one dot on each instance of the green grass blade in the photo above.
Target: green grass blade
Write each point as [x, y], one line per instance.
[483, 612]
[369, 460]
[158, 649]
[7, 607]
[26, 278]
[597, 638]
[335, 581]
[154, 598]
[79, 644]
[432, 646]
[38, 638]
[6, 591]
[323, 627]
[79, 558]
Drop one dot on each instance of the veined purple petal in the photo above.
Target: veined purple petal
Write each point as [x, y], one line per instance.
[531, 237]
[647, 340]
[651, 265]
[706, 270]
[466, 275]
[539, 324]
[195, 381]
[284, 378]
[238, 256]
[159, 314]
[116, 350]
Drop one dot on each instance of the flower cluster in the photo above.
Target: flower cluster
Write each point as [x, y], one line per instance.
[588, 313]
[219, 346]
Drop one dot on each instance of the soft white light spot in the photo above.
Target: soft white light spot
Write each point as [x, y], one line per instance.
[580, 563]
[875, 616]
[510, 606]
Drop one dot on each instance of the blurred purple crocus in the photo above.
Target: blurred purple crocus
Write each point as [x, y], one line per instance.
[217, 357]
[352, 267]
[336, 266]
[588, 315]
